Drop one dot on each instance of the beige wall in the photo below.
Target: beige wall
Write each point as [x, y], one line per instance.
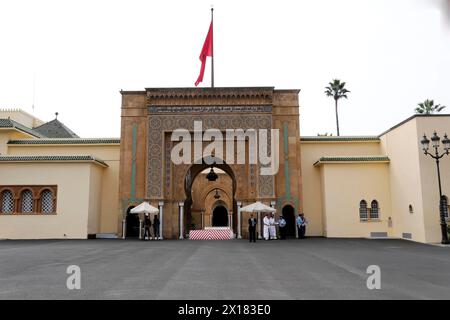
[344, 186]
[401, 146]
[7, 134]
[73, 200]
[4, 137]
[413, 178]
[21, 116]
[110, 154]
[428, 175]
[311, 179]
[95, 199]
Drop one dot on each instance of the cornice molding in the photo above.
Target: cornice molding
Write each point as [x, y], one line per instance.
[209, 96]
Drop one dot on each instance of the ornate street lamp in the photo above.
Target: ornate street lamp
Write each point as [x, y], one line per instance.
[435, 141]
[217, 195]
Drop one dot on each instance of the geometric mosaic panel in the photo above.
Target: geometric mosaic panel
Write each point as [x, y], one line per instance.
[160, 123]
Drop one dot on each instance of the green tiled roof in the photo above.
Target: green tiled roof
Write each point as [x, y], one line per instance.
[65, 141]
[340, 138]
[353, 159]
[55, 129]
[12, 158]
[8, 123]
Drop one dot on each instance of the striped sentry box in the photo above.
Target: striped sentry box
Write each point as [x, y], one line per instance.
[210, 234]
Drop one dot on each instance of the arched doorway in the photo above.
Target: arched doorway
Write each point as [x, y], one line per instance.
[289, 215]
[132, 221]
[220, 216]
[212, 190]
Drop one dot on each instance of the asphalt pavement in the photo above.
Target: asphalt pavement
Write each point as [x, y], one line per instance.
[314, 268]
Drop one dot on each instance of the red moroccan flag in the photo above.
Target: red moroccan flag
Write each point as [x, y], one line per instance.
[207, 51]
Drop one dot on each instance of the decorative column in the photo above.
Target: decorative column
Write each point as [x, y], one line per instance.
[161, 205]
[203, 219]
[239, 227]
[124, 228]
[259, 226]
[272, 205]
[231, 221]
[181, 211]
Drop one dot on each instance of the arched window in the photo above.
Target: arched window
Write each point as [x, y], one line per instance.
[47, 201]
[7, 202]
[26, 200]
[374, 210]
[363, 210]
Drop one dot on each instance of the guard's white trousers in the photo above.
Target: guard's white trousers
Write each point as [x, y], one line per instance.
[266, 232]
[273, 232]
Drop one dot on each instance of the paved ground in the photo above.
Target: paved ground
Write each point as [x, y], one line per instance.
[314, 268]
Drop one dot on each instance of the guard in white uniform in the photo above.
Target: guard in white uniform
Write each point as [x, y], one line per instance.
[272, 228]
[266, 223]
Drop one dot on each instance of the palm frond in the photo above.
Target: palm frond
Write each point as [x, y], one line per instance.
[336, 89]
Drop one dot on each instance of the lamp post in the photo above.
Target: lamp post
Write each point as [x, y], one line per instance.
[435, 141]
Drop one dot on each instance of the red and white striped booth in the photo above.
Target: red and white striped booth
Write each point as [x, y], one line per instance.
[212, 233]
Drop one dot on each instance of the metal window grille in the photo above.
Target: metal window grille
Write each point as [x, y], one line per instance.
[374, 212]
[7, 202]
[363, 210]
[27, 201]
[47, 201]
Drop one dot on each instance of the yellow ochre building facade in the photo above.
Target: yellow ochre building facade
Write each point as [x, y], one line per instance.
[56, 185]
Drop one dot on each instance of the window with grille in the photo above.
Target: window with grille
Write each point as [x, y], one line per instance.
[32, 199]
[47, 202]
[374, 211]
[26, 199]
[7, 202]
[363, 210]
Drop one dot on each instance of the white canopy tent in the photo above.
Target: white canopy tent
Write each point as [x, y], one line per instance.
[258, 207]
[145, 207]
[255, 207]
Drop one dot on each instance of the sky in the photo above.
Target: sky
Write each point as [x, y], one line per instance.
[74, 57]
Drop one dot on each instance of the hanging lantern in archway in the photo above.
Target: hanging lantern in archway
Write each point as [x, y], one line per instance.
[212, 176]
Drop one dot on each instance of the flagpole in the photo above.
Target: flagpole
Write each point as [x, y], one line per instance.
[212, 48]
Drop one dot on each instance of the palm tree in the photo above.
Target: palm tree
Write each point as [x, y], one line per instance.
[336, 89]
[428, 107]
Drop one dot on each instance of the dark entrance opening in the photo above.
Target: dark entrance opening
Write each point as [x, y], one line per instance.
[220, 217]
[289, 216]
[132, 221]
